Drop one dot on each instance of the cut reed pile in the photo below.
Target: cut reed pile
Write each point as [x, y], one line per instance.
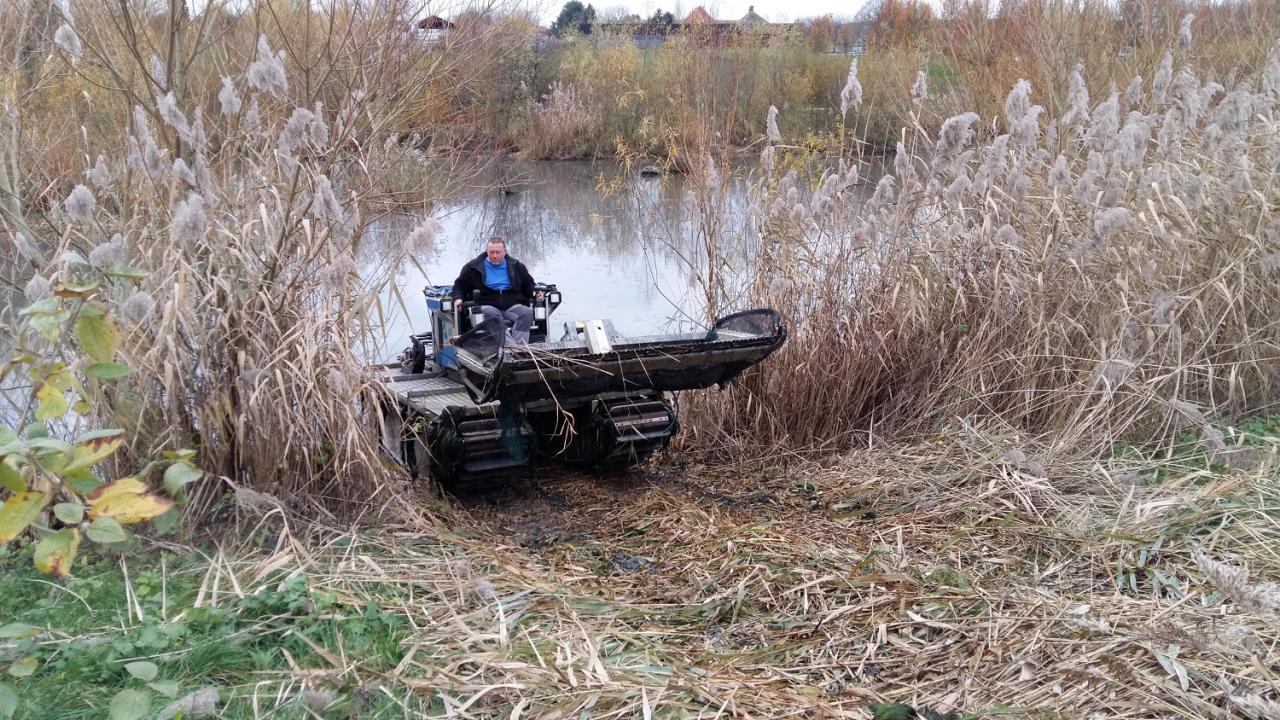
[945, 577]
[1107, 274]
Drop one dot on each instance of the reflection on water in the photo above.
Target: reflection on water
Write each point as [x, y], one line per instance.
[622, 257]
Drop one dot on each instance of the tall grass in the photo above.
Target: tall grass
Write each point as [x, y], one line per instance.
[1098, 272]
[222, 195]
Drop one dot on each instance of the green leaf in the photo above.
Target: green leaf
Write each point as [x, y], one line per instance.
[10, 478]
[143, 670]
[26, 667]
[18, 512]
[167, 688]
[8, 702]
[53, 402]
[49, 325]
[97, 332]
[167, 522]
[55, 553]
[17, 631]
[179, 475]
[76, 289]
[70, 513]
[83, 482]
[124, 271]
[46, 306]
[106, 530]
[108, 370]
[130, 705]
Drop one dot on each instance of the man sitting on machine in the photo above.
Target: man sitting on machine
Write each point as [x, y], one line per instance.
[503, 287]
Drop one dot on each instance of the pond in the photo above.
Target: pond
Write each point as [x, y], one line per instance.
[624, 255]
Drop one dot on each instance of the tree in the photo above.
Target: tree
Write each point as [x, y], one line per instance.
[574, 17]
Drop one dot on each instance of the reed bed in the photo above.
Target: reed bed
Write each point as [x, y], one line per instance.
[1103, 274]
[945, 577]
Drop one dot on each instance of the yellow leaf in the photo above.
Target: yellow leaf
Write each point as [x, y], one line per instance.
[53, 403]
[93, 447]
[124, 486]
[18, 512]
[130, 508]
[55, 553]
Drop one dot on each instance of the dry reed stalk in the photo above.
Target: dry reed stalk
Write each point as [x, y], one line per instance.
[1081, 275]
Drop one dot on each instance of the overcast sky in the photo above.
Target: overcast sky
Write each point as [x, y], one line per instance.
[772, 10]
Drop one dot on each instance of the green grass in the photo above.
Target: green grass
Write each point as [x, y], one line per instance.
[85, 634]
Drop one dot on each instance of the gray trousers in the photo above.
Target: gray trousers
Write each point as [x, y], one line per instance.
[517, 318]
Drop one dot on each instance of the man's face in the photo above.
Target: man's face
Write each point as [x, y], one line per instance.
[496, 252]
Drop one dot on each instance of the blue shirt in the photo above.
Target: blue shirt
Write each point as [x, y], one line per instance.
[496, 276]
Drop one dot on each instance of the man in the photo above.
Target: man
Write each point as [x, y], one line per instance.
[505, 288]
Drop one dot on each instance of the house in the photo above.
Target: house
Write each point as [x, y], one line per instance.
[434, 30]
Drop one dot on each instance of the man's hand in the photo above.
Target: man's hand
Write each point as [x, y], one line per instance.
[457, 304]
[539, 295]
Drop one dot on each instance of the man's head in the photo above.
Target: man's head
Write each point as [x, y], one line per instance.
[496, 250]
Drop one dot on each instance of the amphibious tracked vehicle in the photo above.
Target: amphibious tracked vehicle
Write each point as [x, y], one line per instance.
[474, 411]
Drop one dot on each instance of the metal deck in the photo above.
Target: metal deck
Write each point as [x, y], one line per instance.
[426, 392]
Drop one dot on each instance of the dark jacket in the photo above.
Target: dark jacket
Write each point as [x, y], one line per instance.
[472, 278]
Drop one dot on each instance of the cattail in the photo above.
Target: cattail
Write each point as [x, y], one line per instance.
[189, 222]
[100, 175]
[141, 124]
[183, 173]
[1235, 110]
[994, 166]
[1017, 104]
[195, 135]
[335, 275]
[156, 163]
[158, 73]
[1007, 236]
[294, 133]
[885, 193]
[956, 135]
[902, 163]
[1184, 31]
[1059, 176]
[1077, 98]
[1233, 583]
[319, 130]
[80, 204]
[37, 288]
[1131, 144]
[1160, 83]
[1111, 221]
[228, 97]
[23, 247]
[766, 160]
[134, 155]
[108, 254]
[920, 88]
[1105, 122]
[851, 95]
[67, 39]
[252, 120]
[326, 203]
[204, 178]
[422, 239]
[1027, 132]
[1133, 93]
[771, 125]
[1271, 74]
[169, 112]
[266, 74]
[955, 192]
